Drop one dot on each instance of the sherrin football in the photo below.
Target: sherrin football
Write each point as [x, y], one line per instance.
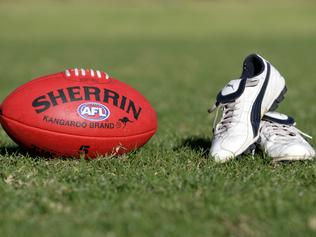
[78, 112]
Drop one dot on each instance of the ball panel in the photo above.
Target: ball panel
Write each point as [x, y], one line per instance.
[54, 107]
[69, 145]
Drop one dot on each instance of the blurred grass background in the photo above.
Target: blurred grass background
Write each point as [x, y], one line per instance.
[179, 54]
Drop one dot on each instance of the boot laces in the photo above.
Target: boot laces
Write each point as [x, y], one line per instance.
[228, 112]
[228, 116]
[283, 132]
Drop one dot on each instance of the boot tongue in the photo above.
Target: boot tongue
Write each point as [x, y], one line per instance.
[231, 87]
[278, 118]
[231, 91]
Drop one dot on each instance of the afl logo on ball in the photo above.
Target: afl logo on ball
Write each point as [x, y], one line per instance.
[93, 111]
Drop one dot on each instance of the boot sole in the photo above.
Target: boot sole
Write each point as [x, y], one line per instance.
[278, 100]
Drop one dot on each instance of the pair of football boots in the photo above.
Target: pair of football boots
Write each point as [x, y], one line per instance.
[248, 119]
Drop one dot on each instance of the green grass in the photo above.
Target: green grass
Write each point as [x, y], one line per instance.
[178, 54]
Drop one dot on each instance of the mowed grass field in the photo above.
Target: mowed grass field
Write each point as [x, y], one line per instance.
[178, 54]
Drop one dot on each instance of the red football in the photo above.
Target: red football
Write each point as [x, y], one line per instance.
[78, 112]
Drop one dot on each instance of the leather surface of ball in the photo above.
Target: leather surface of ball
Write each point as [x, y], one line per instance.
[78, 112]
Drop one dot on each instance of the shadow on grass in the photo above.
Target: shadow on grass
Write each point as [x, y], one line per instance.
[197, 144]
[13, 150]
[18, 151]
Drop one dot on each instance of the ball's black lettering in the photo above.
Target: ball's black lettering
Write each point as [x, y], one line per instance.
[41, 104]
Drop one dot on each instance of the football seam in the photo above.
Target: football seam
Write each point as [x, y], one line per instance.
[71, 134]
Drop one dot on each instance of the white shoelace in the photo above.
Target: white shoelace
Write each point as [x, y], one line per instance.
[228, 116]
[229, 112]
[282, 132]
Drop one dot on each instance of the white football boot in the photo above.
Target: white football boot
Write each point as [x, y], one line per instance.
[243, 102]
[281, 140]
